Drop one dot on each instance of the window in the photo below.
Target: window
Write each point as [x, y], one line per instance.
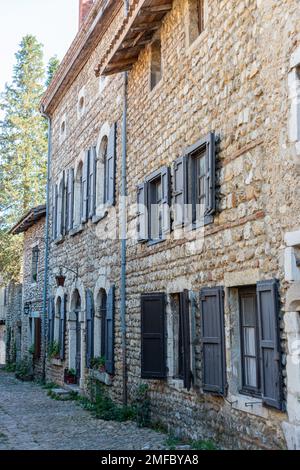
[54, 211]
[153, 360]
[260, 342]
[35, 260]
[194, 185]
[100, 321]
[196, 18]
[156, 63]
[153, 207]
[78, 202]
[101, 185]
[70, 200]
[249, 340]
[35, 331]
[181, 337]
[61, 207]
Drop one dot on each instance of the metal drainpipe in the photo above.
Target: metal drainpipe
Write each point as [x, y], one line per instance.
[123, 232]
[45, 288]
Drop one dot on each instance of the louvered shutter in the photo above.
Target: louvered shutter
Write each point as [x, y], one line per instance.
[165, 200]
[111, 166]
[268, 317]
[180, 190]
[153, 360]
[51, 314]
[66, 197]
[93, 175]
[210, 179]
[142, 213]
[213, 340]
[60, 208]
[62, 328]
[186, 338]
[71, 199]
[89, 327]
[85, 188]
[109, 332]
[54, 212]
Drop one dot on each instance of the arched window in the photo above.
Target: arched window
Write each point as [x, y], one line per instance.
[99, 325]
[78, 196]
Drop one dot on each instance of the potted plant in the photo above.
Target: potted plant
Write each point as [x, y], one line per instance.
[98, 363]
[54, 350]
[70, 376]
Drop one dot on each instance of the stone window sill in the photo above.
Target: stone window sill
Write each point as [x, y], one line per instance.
[102, 377]
[59, 240]
[196, 43]
[177, 384]
[56, 362]
[98, 217]
[76, 230]
[250, 405]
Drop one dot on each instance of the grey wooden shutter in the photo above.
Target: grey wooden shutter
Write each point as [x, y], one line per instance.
[85, 188]
[213, 340]
[89, 327]
[153, 360]
[111, 165]
[142, 212]
[165, 200]
[54, 212]
[186, 338]
[66, 209]
[210, 179]
[71, 199]
[62, 327]
[268, 318]
[180, 193]
[60, 208]
[63, 204]
[37, 338]
[93, 173]
[109, 332]
[51, 314]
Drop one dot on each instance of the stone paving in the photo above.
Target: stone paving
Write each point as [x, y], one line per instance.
[30, 420]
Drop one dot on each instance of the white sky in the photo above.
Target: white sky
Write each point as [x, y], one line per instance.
[53, 22]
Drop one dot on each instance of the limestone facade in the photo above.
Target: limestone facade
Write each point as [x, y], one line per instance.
[238, 78]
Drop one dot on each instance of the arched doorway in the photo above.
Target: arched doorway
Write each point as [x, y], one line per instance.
[75, 335]
[99, 326]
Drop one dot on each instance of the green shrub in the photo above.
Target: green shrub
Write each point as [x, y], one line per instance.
[53, 350]
[24, 370]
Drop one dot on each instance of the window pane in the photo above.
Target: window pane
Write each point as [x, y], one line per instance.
[249, 342]
[250, 372]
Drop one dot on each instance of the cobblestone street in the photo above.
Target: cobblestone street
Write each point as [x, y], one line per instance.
[30, 420]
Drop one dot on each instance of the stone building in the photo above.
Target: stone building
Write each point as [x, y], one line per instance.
[25, 309]
[190, 283]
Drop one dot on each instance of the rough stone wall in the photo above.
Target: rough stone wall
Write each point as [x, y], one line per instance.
[13, 322]
[229, 81]
[33, 291]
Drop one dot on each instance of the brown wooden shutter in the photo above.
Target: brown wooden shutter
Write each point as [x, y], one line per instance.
[180, 190]
[213, 340]
[37, 338]
[111, 165]
[153, 360]
[110, 332]
[93, 175]
[54, 212]
[71, 199]
[85, 188]
[210, 180]
[165, 200]
[62, 327]
[186, 338]
[142, 213]
[89, 327]
[268, 317]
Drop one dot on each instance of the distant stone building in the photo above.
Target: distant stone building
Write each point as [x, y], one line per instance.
[191, 108]
[25, 318]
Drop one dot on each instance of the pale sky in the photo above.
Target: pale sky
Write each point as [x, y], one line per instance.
[53, 22]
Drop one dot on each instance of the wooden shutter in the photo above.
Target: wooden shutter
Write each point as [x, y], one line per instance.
[165, 200]
[60, 208]
[37, 338]
[71, 199]
[85, 188]
[186, 338]
[62, 328]
[92, 179]
[180, 190]
[142, 212]
[268, 319]
[51, 314]
[54, 212]
[66, 199]
[111, 165]
[210, 179]
[213, 340]
[153, 360]
[109, 332]
[89, 327]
